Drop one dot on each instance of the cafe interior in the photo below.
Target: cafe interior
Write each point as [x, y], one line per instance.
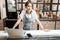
[48, 12]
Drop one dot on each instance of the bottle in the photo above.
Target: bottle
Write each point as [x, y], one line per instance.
[45, 15]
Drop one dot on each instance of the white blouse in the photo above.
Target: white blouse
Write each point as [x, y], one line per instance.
[24, 13]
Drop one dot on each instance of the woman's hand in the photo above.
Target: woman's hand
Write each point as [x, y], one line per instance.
[13, 27]
[46, 30]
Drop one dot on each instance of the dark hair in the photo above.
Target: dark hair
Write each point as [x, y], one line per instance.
[26, 4]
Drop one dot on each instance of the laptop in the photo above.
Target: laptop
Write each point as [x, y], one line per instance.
[15, 32]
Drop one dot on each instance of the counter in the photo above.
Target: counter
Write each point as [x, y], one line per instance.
[36, 35]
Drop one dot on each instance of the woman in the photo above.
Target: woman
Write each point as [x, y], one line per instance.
[28, 16]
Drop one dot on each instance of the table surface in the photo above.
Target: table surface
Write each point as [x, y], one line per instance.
[34, 33]
[50, 33]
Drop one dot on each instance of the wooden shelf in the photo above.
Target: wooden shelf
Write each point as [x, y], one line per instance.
[46, 19]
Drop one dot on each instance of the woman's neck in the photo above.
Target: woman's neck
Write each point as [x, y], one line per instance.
[28, 11]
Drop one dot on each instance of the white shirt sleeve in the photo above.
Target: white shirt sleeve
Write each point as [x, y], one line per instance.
[22, 14]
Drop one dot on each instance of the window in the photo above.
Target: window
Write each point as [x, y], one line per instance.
[18, 0]
[11, 6]
[44, 6]
[34, 6]
[40, 0]
[33, 1]
[23, 6]
[54, 7]
[59, 7]
[55, 1]
[18, 6]
[40, 6]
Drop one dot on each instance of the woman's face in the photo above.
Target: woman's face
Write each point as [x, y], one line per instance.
[29, 7]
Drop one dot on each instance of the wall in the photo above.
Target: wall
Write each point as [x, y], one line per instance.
[3, 13]
[3, 9]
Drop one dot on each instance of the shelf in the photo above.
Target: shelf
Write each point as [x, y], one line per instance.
[41, 19]
[11, 19]
[46, 19]
[49, 10]
[57, 19]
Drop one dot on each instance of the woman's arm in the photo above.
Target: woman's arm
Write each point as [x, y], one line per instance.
[46, 30]
[18, 21]
[40, 24]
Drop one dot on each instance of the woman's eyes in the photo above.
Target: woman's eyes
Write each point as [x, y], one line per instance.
[29, 6]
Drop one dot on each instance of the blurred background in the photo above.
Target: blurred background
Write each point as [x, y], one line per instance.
[48, 12]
